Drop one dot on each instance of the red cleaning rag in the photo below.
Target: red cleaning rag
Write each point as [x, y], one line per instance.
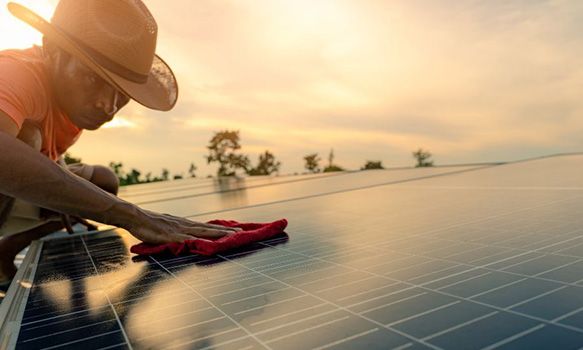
[252, 232]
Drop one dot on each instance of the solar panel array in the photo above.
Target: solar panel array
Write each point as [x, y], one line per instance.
[443, 258]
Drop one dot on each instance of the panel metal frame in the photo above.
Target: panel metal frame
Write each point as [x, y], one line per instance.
[12, 308]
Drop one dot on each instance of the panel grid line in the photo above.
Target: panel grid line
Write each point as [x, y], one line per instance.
[460, 325]
[320, 325]
[341, 307]
[344, 340]
[288, 314]
[514, 337]
[298, 321]
[412, 285]
[498, 288]
[389, 304]
[210, 320]
[107, 296]
[386, 250]
[78, 340]
[249, 333]
[424, 313]
[204, 337]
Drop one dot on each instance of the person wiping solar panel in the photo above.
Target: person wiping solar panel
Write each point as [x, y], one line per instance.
[96, 56]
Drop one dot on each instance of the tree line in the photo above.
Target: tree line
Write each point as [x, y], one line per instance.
[224, 149]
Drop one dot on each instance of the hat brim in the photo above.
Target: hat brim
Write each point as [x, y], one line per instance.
[159, 92]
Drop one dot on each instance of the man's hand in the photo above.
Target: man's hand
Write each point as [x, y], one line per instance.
[157, 228]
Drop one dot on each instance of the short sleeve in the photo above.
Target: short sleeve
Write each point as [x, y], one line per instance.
[20, 90]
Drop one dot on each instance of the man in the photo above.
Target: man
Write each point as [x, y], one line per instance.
[96, 56]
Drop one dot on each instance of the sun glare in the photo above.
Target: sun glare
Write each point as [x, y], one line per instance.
[17, 34]
[119, 122]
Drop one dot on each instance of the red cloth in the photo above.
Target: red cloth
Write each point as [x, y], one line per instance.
[252, 232]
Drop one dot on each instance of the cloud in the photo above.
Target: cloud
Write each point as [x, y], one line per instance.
[469, 80]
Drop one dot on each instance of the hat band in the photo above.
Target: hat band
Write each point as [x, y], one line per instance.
[109, 64]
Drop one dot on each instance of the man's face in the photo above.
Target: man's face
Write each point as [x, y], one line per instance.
[88, 100]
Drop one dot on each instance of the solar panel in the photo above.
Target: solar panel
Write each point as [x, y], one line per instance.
[240, 193]
[460, 261]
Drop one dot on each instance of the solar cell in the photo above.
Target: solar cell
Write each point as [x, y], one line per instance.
[460, 261]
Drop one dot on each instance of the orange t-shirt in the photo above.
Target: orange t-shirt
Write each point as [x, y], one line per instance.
[26, 95]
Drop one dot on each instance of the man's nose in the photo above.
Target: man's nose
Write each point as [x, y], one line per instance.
[107, 101]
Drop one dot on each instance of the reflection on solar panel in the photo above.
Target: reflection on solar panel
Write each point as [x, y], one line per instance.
[453, 258]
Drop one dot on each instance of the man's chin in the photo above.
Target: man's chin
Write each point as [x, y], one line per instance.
[88, 124]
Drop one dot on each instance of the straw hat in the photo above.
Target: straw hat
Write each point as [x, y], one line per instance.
[114, 38]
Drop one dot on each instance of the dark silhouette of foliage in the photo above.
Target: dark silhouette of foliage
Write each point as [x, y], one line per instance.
[134, 176]
[69, 159]
[192, 169]
[312, 163]
[178, 177]
[372, 164]
[266, 165]
[422, 158]
[222, 148]
[333, 168]
[117, 169]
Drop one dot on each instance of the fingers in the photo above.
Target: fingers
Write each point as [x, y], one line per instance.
[195, 224]
[216, 227]
[165, 228]
[207, 232]
[177, 238]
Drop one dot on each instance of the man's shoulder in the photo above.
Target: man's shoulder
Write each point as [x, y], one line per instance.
[22, 61]
[24, 87]
[31, 55]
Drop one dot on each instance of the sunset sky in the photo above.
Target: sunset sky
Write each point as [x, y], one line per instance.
[472, 81]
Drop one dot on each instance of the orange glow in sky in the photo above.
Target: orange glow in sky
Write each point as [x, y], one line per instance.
[375, 80]
[15, 33]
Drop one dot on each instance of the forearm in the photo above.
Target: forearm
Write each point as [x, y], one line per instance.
[30, 176]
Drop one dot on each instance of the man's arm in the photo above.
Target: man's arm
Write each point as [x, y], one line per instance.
[28, 175]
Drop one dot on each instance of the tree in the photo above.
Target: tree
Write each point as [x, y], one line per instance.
[312, 163]
[69, 159]
[222, 148]
[422, 158]
[117, 168]
[133, 177]
[192, 169]
[165, 174]
[266, 165]
[331, 166]
[372, 164]
[331, 158]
